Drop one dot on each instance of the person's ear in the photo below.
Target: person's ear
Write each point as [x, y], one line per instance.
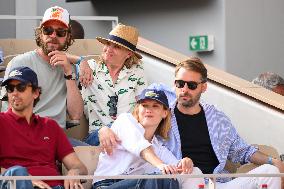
[204, 87]
[165, 113]
[129, 54]
[36, 94]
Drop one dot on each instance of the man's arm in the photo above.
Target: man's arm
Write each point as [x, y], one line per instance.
[74, 100]
[74, 164]
[86, 73]
[75, 167]
[259, 158]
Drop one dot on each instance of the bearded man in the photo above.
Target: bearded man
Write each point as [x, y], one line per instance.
[206, 135]
[55, 73]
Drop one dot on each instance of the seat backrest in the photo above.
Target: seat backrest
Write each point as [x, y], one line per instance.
[79, 132]
[89, 155]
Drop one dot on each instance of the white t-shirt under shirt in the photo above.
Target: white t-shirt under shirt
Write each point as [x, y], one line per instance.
[126, 157]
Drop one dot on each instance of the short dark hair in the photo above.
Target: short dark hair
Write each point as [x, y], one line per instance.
[193, 64]
[77, 29]
[34, 88]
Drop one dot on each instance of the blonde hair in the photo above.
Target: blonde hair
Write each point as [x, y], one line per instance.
[164, 126]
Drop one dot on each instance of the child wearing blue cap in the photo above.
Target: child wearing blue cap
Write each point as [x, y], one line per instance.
[140, 151]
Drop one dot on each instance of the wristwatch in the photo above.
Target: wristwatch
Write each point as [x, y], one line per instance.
[72, 76]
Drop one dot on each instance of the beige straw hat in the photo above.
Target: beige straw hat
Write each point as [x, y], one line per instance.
[125, 36]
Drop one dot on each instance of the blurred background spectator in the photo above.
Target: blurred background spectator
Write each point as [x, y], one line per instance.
[270, 81]
[77, 29]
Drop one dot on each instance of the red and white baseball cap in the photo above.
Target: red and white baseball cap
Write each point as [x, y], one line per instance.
[56, 13]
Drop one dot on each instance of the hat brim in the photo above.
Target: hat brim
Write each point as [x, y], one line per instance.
[66, 25]
[14, 78]
[148, 98]
[104, 41]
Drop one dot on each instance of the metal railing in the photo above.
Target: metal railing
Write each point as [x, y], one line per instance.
[212, 177]
[113, 19]
[33, 24]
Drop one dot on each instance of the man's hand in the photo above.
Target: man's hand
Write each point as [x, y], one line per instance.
[40, 184]
[108, 140]
[74, 183]
[58, 58]
[279, 164]
[185, 166]
[86, 74]
[168, 169]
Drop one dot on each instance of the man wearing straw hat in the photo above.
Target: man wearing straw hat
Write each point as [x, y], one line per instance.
[117, 79]
[55, 73]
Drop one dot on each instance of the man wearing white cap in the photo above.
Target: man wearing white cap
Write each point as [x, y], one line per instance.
[55, 73]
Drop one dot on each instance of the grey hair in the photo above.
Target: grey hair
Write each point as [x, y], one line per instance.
[268, 80]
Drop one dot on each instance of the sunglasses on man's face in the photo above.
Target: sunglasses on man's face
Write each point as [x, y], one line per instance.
[21, 87]
[192, 85]
[60, 32]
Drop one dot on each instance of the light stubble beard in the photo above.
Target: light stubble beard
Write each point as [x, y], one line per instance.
[17, 107]
[46, 50]
[189, 103]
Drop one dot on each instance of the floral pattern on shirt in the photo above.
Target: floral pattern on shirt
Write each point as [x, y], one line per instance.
[104, 98]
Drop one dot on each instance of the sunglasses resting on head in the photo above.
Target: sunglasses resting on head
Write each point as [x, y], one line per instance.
[192, 85]
[21, 87]
[48, 30]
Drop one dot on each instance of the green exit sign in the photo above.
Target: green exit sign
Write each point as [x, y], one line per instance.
[201, 43]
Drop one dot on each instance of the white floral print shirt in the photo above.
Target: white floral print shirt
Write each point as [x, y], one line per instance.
[104, 98]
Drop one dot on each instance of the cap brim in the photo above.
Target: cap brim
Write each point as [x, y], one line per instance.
[13, 78]
[104, 41]
[147, 98]
[66, 25]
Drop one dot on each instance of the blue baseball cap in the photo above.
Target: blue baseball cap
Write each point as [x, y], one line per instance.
[153, 94]
[23, 74]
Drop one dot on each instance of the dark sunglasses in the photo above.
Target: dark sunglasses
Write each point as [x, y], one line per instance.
[192, 85]
[60, 32]
[21, 87]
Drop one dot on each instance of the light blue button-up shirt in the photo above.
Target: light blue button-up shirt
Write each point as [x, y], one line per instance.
[226, 142]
